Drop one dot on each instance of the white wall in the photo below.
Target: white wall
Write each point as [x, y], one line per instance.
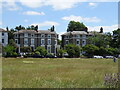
[5, 37]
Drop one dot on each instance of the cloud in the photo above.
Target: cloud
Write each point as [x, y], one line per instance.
[10, 5]
[55, 4]
[92, 4]
[81, 19]
[33, 13]
[105, 28]
[46, 23]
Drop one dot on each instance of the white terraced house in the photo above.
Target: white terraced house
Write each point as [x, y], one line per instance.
[3, 37]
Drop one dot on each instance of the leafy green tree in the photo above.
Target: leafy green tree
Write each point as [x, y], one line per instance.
[20, 27]
[32, 27]
[60, 52]
[42, 51]
[90, 50]
[10, 35]
[101, 40]
[73, 50]
[116, 39]
[9, 50]
[76, 26]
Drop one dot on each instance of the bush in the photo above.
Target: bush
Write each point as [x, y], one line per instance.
[73, 50]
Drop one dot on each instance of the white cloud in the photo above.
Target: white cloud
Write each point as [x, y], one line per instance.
[81, 19]
[92, 4]
[10, 5]
[56, 4]
[105, 28]
[33, 13]
[46, 23]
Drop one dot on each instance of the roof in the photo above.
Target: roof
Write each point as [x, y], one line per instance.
[2, 30]
[37, 32]
[75, 33]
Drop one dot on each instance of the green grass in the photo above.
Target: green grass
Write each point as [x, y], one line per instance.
[55, 73]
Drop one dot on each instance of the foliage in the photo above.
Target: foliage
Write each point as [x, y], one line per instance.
[10, 34]
[25, 49]
[73, 50]
[116, 39]
[32, 27]
[41, 50]
[90, 50]
[60, 52]
[76, 26]
[52, 28]
[9, 50]
[20, 27]
[100, 40]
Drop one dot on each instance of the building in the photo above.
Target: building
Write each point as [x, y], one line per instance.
[3, 37]
[33, 39]
[79, 38]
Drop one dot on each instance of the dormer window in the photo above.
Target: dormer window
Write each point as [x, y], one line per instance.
[42, 35]
[49, 36]
[26, 35]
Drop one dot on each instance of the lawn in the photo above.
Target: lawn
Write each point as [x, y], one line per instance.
[55, 73]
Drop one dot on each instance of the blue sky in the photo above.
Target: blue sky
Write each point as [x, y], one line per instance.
[45, 14]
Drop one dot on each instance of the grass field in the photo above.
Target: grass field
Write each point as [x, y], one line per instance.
[55, 73]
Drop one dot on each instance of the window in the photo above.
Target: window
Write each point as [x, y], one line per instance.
[42, 35]
[16, 41]
[78, 42]
[26, 35]
[49, 41]
[32, 41]
[16, 35]
[2, 40]
[78, 36]
[32, 35]
[42, 41]
[25, 41]
[49, 36]
[55, 42]
[67, 41]
[83, 42]
[84, 36]
[2, 34]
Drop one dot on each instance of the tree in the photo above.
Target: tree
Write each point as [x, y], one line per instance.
[60, 52]
[115, 42]
[10, 35]
[90, 50]
[76, 26]
[73, 50]
[42, 51]
[101, 30]
[9, 50]
[100, 40]
[20, 27]
[52, 29]
[32, 27]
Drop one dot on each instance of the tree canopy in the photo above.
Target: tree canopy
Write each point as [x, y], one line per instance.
[76, 26]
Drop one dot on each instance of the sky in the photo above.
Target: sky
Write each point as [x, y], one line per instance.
[45, 13]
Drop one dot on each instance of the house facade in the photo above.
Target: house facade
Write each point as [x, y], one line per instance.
[3, 37]
[33, 39]
[79, 38]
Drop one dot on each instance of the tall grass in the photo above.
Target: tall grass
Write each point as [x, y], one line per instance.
[56, 73]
